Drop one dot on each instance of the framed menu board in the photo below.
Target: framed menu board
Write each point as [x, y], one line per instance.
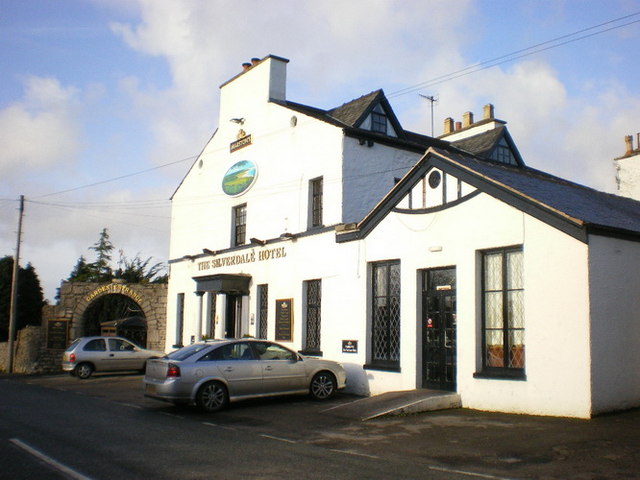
[284, 319]
[57, 334]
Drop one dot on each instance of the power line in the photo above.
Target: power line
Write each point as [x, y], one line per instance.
[114, 179]
[509, 57]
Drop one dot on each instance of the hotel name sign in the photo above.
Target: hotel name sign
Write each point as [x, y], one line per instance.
[242, 258]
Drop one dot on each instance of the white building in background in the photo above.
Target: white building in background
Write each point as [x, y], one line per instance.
[628, 169]
[416, 262]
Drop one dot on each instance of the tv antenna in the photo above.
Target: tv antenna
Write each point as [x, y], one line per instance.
[432, 99]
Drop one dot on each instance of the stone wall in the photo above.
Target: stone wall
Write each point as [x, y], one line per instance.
[31, 349]
[26, 348]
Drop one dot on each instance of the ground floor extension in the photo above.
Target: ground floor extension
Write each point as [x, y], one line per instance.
[514, 318]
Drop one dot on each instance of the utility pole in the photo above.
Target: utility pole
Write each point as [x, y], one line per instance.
[433, 100]
[14, 289]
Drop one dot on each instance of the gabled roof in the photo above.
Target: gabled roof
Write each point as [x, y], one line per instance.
[483, 144]
[350, 116]
[572, 208]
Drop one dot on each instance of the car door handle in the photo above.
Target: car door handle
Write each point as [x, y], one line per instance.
[228, 369]
[111, 354]
[269, 367]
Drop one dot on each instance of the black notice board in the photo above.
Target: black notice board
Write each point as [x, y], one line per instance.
[57, 334]
[284, 319]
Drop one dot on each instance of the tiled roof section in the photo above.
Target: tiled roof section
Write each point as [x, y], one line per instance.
[590, 206]
[481, 144]
[343, 116]
[351, 113]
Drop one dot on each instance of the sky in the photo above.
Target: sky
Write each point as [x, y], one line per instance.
[105, 104]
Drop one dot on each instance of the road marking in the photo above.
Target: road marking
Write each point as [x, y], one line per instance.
[280, 439]
[351, 452]
[171, 415]
[343, 405]
[129, 405]
[470, 474]
[219, 426]
[49, 461]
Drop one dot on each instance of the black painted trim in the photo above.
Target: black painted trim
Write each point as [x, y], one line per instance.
[439, 207]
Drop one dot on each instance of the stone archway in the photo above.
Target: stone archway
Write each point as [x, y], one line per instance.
[76, 298]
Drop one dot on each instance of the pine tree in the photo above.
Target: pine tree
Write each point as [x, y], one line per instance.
[103, 249]
[30, 297]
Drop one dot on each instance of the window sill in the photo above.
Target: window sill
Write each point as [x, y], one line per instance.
[382, 368]
[501, 374]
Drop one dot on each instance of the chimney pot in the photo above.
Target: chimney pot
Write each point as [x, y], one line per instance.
[254, 60]
[488, 112]
[467, 119]
[628, 140]
[246, 66]
[458, 126]
[448, 125]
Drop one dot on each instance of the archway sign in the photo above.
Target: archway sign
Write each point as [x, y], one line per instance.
[76, 297]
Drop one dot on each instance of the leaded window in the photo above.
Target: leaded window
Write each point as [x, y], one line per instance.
[378, 122]
[313, 321]
[316, 200]
[263, 310]
[385, 319]
[239, 225]
[503, 311]
[179, 320]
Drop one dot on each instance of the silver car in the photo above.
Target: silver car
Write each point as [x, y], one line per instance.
[213, 373]
[86, 355]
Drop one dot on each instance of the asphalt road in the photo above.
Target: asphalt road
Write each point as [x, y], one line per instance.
[103, 428]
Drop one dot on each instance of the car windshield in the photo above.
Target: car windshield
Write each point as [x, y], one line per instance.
[186, 352]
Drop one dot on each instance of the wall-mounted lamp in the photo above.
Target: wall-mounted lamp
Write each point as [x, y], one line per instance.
[239, 121]
[287, 236]
[258, 241]
[208, 252]
[188, 257]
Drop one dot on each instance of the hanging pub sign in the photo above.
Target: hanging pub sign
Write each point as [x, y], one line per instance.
[349, 346]
[284, 319]
[57, 334]
[239, 178]
[243, 140]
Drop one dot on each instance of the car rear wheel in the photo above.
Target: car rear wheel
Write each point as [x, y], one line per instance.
[323, 385]
[212, 397]
[84, 370]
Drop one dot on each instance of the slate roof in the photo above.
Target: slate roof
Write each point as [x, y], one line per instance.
[350, 115]
[481, 144]
[578, 203]
[572, 208]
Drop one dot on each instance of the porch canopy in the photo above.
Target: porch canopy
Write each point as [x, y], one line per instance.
[223, 283]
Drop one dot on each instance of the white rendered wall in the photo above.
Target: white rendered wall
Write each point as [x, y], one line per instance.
[287, 158]
[628, 176]
[615, 323]
[369, 173]
[556, 304]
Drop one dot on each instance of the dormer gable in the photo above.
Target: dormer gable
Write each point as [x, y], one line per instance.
[371, 112]
[496, 145]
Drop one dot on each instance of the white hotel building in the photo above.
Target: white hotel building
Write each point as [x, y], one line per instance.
[415, 261]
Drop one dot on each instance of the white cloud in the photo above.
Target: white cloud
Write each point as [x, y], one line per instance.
[40, 130]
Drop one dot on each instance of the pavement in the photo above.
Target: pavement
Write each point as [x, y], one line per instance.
[397, 403]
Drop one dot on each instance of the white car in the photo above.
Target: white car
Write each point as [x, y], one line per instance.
[213, 373]
[86, 355]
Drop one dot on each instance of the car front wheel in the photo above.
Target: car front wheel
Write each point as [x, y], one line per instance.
[212, 397]
[84, 370]
[323, 386]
